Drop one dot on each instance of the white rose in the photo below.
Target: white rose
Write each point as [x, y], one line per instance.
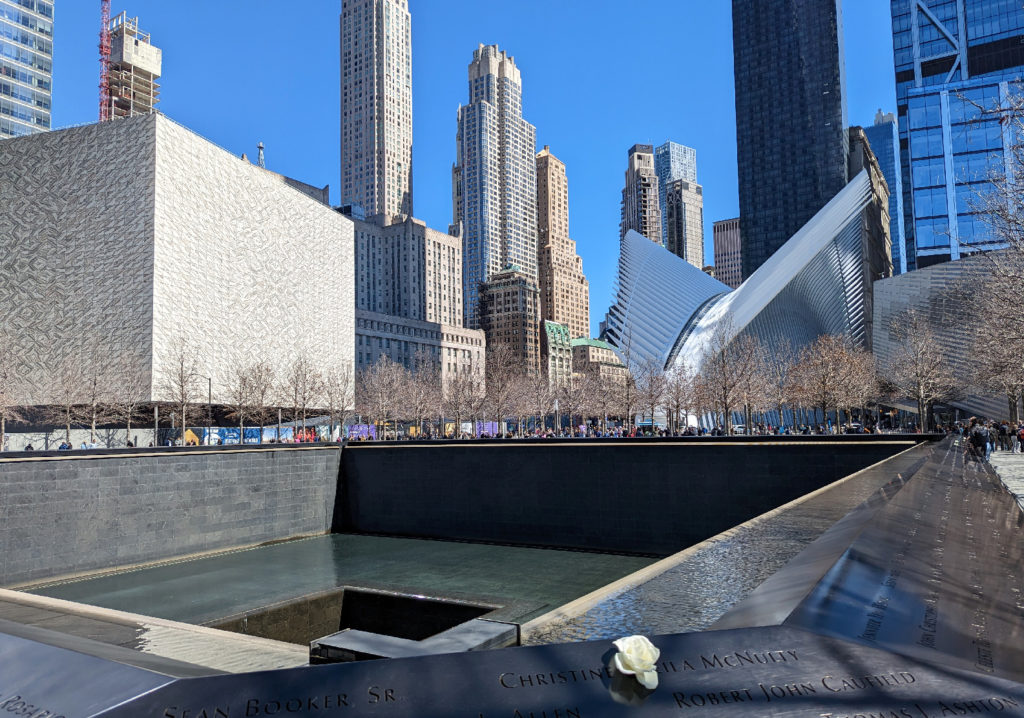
[637, 656]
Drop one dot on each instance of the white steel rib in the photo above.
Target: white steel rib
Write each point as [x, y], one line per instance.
[666, 310]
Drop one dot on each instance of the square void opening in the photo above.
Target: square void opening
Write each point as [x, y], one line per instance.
[412, 617]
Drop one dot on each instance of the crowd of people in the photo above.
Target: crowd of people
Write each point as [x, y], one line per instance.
[981, 438]
[620, 432]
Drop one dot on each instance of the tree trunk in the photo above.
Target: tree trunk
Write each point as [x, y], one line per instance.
[3, 429]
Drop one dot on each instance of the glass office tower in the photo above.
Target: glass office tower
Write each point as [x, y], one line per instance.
[885, 143]
[672, 161]
[956, 64]
[26, 66]
[791, 137]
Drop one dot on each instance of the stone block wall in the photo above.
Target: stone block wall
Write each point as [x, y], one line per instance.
[76, 251]
[73, 513]
[120, 240]
[246, 266]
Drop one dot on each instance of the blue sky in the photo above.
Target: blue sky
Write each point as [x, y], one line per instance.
[598, 77]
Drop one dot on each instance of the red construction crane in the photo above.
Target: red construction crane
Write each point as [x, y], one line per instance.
[104, 60]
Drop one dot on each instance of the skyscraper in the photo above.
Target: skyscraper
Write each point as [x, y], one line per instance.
[885, 143]
[728, 255]
[408, 287]
[494, 179]
[135, 65]
[955, 63]
[509, 313]
[564, 291]
[641, 199]
[26, 66]
[791, 135]
[673, 161]
[684, 220]
[376, 106]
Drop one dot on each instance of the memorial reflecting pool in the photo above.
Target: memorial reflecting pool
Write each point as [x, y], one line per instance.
[530, 581]
[689, 591]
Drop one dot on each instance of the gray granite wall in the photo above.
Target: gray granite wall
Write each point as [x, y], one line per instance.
[80, 513]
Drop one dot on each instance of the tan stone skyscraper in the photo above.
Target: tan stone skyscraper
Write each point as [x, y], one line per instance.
[376, 106]
[493, 180]
[641, 209]
[564, 291]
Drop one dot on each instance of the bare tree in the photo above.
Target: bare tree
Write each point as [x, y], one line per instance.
[522, 403]
[338, 395]
[777, 365]
[302, 387]
[573, 398]
[816, 378]
[263, 392]
[503, 366]
[424, 388]
[97, 397]
[680, 396]
[131, 391]
[181, 380]
[462, 393]
[720, 383]
[239, 399]
[749, 359]
[651, 385]
[859, 384]
[998, 356]
[919, 368]
[602, 391]
[66, 394]
[378, 388]
[539, 398]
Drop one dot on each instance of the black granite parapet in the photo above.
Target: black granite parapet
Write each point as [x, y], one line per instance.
[934, 570]
[770, 671]
[644, 496]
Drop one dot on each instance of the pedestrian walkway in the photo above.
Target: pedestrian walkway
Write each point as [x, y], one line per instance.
[1010, 468]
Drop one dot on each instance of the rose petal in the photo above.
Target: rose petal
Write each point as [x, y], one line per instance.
[648, 679]
[621, 665]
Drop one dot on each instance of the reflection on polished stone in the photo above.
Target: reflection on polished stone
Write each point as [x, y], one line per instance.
[710, 578]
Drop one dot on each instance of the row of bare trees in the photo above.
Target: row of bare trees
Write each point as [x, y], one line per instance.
[255, 394]
[500, 391]
[831, 378]
[90, 394]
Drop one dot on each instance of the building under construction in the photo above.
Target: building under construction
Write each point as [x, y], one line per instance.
[133, 71]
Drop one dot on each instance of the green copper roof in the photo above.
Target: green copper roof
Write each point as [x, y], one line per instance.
[584, 342]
